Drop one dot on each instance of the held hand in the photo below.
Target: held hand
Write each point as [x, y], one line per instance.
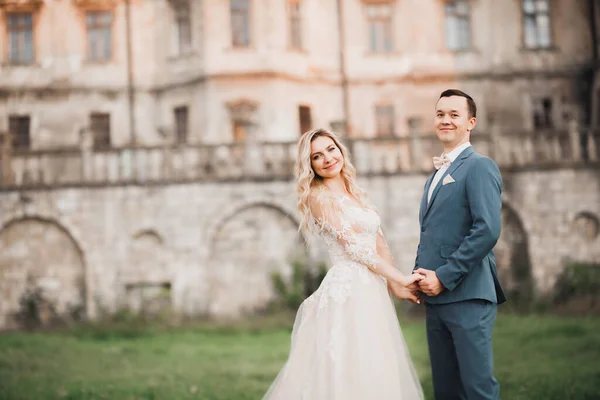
[411, 281]
[407, 288]
[430, 284]
[403, 293]
[414, 286]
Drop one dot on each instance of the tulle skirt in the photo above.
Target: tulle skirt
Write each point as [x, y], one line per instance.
[347, 344]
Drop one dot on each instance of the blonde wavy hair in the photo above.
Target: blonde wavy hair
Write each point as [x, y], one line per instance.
[308, 181]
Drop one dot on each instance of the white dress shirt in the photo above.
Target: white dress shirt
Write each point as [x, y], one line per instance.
[440, 172]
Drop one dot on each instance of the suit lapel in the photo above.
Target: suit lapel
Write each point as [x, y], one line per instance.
[424, 198]
[453, 167]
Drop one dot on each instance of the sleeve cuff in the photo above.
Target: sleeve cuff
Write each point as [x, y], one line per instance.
[450, 279]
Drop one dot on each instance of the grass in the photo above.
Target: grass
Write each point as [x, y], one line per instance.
[537, 357]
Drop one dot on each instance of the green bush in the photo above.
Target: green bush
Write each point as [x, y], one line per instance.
[302, 284]
[579, 285]
[30, 305]
[37, 311]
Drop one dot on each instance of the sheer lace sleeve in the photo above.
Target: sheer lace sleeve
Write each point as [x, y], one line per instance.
[382, 248]
[331, 219]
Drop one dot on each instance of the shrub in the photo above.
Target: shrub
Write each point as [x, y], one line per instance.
[302, 284]
[578, 287]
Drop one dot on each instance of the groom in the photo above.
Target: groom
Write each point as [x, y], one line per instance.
[460, 224]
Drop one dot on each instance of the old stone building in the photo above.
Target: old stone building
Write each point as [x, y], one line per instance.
[214, 71]
[147, 145]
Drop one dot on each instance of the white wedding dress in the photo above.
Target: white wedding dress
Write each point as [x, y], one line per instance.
[346, 341]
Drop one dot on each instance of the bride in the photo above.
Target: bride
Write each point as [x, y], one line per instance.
[346, 342]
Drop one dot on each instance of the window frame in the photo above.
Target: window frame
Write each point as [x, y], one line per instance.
[111, 27]
[390, 109]
[390, 21]
[524, 17]
[456, 15]
[249, 39]
[295, 32]
[15, 137]
[181, 139]
[99, 144]
[178, 48]
[8, 58]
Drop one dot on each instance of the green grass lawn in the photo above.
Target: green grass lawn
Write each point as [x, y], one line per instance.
[537, 357]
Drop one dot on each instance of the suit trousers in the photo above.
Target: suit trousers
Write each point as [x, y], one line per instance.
[460, 349]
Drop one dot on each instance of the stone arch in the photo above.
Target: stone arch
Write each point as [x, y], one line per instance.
[512, 256]
[247, 246]
[39, 255]
[149, 235]
[146, 278]
[234, 209]
[586, 225]
[146, 261]
[50, 216]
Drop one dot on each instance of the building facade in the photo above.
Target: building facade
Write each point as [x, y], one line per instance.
[212, 71]
[147, 145]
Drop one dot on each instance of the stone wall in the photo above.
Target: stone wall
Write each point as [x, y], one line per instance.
[209, 248]
[558, 210]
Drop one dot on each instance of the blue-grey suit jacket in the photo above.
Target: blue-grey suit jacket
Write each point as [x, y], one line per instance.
[459, 228]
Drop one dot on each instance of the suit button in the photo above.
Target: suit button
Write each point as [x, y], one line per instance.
[422, 229]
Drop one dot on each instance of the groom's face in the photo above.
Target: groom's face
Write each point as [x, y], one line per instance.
[453, 123]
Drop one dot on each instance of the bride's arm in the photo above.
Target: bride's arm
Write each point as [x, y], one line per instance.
[384, 252]
[404, 292]
[332, 220]
[383, 249]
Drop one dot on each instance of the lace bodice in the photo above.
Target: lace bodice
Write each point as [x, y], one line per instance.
[351, 232]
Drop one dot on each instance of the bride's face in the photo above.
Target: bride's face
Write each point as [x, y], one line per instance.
[325, 157]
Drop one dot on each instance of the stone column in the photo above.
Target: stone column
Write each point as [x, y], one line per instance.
[591, 145]
[254, 165]
[416, 145]
[555, 150]
[575, 140]
[5, 159]
[86, 145]
[496, 151]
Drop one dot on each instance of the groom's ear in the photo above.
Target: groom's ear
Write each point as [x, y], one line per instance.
[472, 123]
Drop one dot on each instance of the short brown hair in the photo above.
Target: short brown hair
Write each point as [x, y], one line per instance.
[470, 102]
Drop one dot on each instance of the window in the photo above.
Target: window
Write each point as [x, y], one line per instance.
[536, 24]
[384, 120]
[150, 298]
[542, 110]
[240, 23]
[295, 18]
[181, 124]
[458, 25]
[20, 37]
[243, 118]
[19, 126]
[241, 130]
[183, 28]
[587, 225]
[99, 35]
[379, 21]
[305, 118]
[100, 127]
[415, 126]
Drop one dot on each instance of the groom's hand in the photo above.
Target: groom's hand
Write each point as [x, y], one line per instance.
[430, 285]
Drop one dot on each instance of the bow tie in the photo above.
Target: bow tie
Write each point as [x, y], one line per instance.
[441, 162]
